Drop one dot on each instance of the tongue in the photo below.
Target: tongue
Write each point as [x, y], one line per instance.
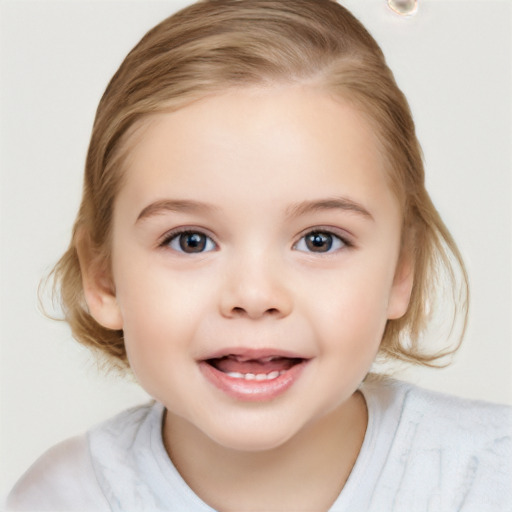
[232, 364]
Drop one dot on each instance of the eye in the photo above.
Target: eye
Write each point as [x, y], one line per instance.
[321, 242]
[190, 242]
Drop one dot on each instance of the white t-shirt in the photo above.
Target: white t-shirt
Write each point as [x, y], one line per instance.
[422, 452]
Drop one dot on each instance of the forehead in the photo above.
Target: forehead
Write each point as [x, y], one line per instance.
[280, 143]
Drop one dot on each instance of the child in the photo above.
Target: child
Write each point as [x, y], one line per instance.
[254, 232]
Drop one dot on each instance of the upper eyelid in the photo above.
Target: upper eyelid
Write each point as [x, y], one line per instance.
[341, 233]
[172, 233]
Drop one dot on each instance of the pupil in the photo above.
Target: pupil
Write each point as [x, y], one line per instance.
[319, 242]
[193, 242]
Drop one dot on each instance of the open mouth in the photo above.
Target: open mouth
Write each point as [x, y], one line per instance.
[258, 369]
[253, 375]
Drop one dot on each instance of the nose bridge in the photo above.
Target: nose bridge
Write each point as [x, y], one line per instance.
[255, 285]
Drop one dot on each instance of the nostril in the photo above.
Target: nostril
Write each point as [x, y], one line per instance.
[239, 311]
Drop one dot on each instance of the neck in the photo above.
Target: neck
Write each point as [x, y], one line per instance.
[306, 473]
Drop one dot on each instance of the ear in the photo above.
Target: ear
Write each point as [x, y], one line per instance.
[401, 289]
[98, 286]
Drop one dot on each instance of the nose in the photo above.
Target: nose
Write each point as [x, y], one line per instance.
[255, 288]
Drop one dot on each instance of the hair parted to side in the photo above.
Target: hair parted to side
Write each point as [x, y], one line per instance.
[214, 45]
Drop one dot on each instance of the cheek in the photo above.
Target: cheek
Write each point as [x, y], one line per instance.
[350, 309]
[160, 314]
[158, 331]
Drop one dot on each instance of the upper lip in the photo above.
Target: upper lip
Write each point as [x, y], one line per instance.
[251, 354]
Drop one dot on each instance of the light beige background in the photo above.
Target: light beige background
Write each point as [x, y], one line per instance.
[454, 62]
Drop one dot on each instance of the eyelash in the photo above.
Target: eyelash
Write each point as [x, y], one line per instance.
[208, 244]
[175, 235]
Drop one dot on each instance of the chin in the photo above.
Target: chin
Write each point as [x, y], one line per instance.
[260, 435]
[251, 442]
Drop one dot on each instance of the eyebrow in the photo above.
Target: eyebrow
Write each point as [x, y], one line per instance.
[174, 205]
[296, 210]
[331, 203]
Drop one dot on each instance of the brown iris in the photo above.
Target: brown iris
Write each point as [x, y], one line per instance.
[192, 242]
[318, 241]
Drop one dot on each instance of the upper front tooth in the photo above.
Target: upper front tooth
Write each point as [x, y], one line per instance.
[268, 359]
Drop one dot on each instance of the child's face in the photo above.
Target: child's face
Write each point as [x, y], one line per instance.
[255, 234]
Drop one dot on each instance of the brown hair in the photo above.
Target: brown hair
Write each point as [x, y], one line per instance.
[217, 44]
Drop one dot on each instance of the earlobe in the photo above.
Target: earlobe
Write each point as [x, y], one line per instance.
[401, 290]
[99, 289]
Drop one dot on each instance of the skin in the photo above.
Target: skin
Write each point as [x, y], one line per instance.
[258, 159]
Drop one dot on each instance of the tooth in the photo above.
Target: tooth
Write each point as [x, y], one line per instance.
[235, 375]
[256, 376]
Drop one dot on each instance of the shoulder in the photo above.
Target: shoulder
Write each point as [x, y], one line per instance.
[437, 420]
[72, 475]
[61, 479]
[447, 449]
[440, 411]
[470, 424]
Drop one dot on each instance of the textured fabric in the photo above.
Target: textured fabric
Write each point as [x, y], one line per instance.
[422, 452]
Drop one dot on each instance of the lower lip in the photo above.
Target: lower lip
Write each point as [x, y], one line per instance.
[252, 390]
